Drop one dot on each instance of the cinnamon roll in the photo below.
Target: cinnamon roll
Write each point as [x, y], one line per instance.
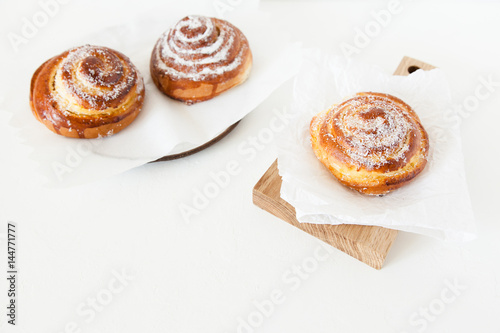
[199, 58]
[373, 143]
[87, 92]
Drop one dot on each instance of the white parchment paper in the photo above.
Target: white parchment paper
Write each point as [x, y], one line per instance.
[164, 126]
[436, 203]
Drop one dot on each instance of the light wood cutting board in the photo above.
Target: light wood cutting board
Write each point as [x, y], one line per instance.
[369, 244]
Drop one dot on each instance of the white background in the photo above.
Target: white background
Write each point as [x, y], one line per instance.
[208, 274]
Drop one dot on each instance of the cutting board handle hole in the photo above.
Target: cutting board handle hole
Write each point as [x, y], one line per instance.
[412, 69]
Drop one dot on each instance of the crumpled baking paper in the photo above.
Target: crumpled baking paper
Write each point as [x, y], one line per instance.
[164, 126]
[435, 204]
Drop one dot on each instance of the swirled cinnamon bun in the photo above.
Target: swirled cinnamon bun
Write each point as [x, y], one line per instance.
[87, 92]
[199, 58]
[373, 143]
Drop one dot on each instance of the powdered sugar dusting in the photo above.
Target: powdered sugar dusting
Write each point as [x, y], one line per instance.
[374, 130]
[94, 75]
[199, 48]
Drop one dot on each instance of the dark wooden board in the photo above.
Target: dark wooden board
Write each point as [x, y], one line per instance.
[199, 148]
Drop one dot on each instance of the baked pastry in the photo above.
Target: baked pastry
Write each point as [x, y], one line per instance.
[199, 58]
[373, 143]
[87, 92]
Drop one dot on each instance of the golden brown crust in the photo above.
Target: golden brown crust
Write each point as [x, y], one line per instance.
[200, 58]
[373, 143]
[87, 92]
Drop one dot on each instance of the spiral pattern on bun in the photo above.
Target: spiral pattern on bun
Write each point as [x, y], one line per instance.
[199, 58]
[87, 92]
[372, 142]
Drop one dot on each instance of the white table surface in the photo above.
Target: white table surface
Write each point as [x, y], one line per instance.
[211, 274]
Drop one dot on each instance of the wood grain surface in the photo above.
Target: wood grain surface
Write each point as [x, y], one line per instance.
[369, 244]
